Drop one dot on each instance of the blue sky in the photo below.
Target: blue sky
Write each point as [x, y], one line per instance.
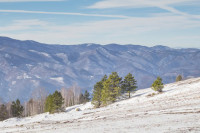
[174, 23]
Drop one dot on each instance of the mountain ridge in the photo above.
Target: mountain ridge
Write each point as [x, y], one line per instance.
[27, 65]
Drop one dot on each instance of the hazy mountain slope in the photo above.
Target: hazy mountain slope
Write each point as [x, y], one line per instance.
[176, 110]
[26, 65]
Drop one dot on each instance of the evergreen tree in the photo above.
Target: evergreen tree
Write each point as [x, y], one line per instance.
[81, 98]
[49, 104]
[97, 92]
[86, 96]
[179, 78]
[129, 84]
[57, 101]
[3, 112]
[111, 88]
[17, 108]
[157, 85]
[54, 102]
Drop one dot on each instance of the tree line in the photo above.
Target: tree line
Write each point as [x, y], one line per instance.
[105, 92]
[41, 102]
[110, 88]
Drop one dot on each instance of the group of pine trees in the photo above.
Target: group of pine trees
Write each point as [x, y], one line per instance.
[158, 85]
[15, 110]
[110, 88]
[41, 102]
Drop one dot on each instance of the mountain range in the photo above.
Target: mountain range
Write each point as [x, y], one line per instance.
[27, 65]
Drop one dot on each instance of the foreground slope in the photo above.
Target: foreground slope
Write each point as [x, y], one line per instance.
[28, 65]
[175, 110]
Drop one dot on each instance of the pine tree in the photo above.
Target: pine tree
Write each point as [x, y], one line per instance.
[17, 108]
[49, 104]
[54, 102]
[81, 98]
[179, 78]
[157, 85]
[57, 100]
[129, 84]
[86, 96]
[111, 88]
[3, 112]
[97, 92]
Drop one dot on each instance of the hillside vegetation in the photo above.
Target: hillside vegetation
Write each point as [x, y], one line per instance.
[176, 109]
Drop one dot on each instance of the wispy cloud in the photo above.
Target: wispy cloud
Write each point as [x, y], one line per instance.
[29, 0]
[137, 3]
[63, 13]
[163, 4]
[19, 25]
[130, 30]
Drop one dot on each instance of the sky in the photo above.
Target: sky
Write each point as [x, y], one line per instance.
[173, 23]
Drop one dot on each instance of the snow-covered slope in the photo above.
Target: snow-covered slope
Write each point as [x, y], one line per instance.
[177, 109]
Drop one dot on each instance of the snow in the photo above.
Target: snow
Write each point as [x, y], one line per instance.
[177, 109]
[58, 79]
[41, 53]
[35, 83]
[37, 76]
[24, 76]
[7, 56]
[89, 44]
[13, 82]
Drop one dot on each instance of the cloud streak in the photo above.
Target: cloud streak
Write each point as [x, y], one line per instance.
[137, 3]
[134, 30]
[29, 0]
[63, 13]
[166, 5]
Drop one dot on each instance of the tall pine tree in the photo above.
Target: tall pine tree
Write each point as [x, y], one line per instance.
[97, 92]
[58, 101]
[17, 108]
[3, 112]
[129, 84]
[81, 98]
[54, 102]
[111, 88]
[86, 96]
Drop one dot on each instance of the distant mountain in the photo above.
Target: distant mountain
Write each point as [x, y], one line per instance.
[26, 65]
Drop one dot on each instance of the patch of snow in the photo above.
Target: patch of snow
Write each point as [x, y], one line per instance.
[13, 82]
[7, 56]
[25, 76]
[58, 79]
[29, 65]
[19, 77]
[41, 53]
[91, 77]
[61, 55]
[89, 44]
[36, 83]
[37, 76]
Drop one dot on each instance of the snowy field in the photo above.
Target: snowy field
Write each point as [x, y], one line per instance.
[176, 110]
